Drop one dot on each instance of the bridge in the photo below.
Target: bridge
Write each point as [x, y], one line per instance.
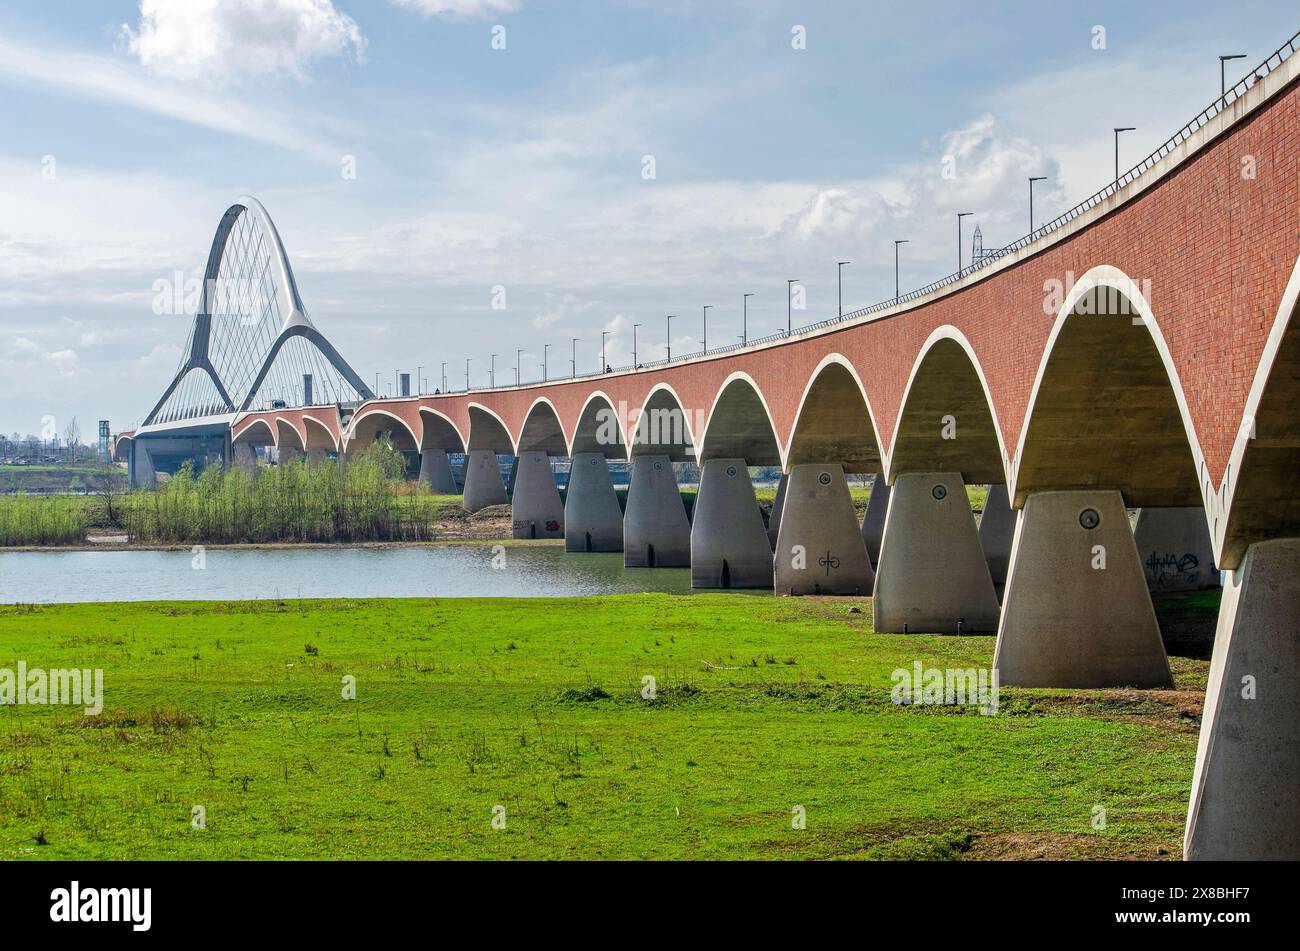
[1139, 352]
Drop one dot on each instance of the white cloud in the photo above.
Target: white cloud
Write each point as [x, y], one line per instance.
[460, 9]
[230, 40]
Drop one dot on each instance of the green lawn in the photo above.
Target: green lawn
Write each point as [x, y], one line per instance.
[764, 704]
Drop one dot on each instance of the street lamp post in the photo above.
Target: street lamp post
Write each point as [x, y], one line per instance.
[419, 377]
[492, 372]
[839, 283]
[519, 363]
[789, 302]
[1223, 87]
[546, 347]
[706, 327]
[574, 361]
[960, 216]
[670, 337]
[603, 364]
[467, 374]
[634, 363]
[1036, 178]
[1118, 130]
[896, 244]
[443, 374]
[744, 319]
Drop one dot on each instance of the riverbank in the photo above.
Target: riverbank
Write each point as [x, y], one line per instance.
[771, 734]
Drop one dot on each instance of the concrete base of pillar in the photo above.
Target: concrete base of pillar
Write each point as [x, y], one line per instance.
[819, 549]
[1077, 612]
[656, 531]
[1244, 803]
[536, 509]
[774, 519]
[873, 523]
[729, 546]
[997, 531]
[142, 472]
[316, 456]
[435, 472]
[483, 485]
[932, 577]
[593, 520]
[245, 458]
[1174, 547]
[287, 454]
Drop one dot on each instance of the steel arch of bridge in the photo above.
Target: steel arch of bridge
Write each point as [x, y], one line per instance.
[251, 331]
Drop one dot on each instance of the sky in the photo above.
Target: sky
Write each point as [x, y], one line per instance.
[606, 163]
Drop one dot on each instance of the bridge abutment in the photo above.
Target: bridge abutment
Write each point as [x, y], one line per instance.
[1244, 803]
[1175, 550]
[536, 509]
[656, 531]
[483, 484]
[729, 546]
[873, 522]
[593, 520]
[1076, 611]
[778, 503]
[932, 577]
[997, 531]
[435, 472]
[819, 546]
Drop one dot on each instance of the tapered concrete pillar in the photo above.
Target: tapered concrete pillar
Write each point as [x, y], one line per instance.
[593, 520]
[435, 472]
[873, 522]
[656, 531]
[536, 509]
[316, 456]
[729, 546]
[1076, 612]
[932, 577]
[142, 470]
[774, 518]
[1174, 547]
[997, 531]
[819, 549]
[245, 458]
[287, 454]
[1244, 802]
[483, 485]
[510, 479]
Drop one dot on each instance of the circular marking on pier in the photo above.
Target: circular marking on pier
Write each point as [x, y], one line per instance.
[940, 492]
[1090, 518]
[824, 478]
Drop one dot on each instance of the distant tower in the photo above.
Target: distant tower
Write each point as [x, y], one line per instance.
[103, 440]
[977, 246]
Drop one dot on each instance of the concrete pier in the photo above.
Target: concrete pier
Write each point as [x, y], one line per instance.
[142, 470]
[435, 472]
[932, 577]
[997, 531]
[729, 546]
[245, 458]
[536, 509]
[819, 546]
[774, 518]
[593, 520]
[287, 454]
[483, 485]
[1174, 547]
[1244, 803]
[656, 531]
[873, 523]
[1076, 612]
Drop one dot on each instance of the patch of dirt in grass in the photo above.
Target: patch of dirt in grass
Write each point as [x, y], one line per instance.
[1057, 846]
[1179, 709]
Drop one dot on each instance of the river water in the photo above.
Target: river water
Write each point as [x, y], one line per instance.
[441, 571]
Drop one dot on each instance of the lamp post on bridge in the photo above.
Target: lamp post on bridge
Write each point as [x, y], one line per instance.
[839, 284]
[896, 244]
[670, 337]
[519, 363]
[1223, 88]
[1035, 178]
[744, 319]
[706, 327]
[492, 372]
[546, 347]
[604, 334]
[467, 374]
[574, 361]
[960, 216]
[444, 378]
[789, 299]
[419, 377]
[1118, 130]
[634, 363]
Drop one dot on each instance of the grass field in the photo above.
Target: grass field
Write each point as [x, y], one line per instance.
[763, 705]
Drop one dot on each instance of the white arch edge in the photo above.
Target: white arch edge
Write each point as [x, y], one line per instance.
[686, 419]
[528, 415]
[762, 398]
[613, 407]
[472, 405]
[833, 357]
[447, 419]
[308, 417]
[362, 412]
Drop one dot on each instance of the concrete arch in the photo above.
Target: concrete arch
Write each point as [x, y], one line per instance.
[599, 428]
[1259, 495]
[371, 421]
[318, 435]
[488, 431]
[835, 422]
[258, 426]
[288, 436]
[663, 427]
[740, 424]
[440, 432]
[947, 422]
[1107, 408]
[542, 430]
